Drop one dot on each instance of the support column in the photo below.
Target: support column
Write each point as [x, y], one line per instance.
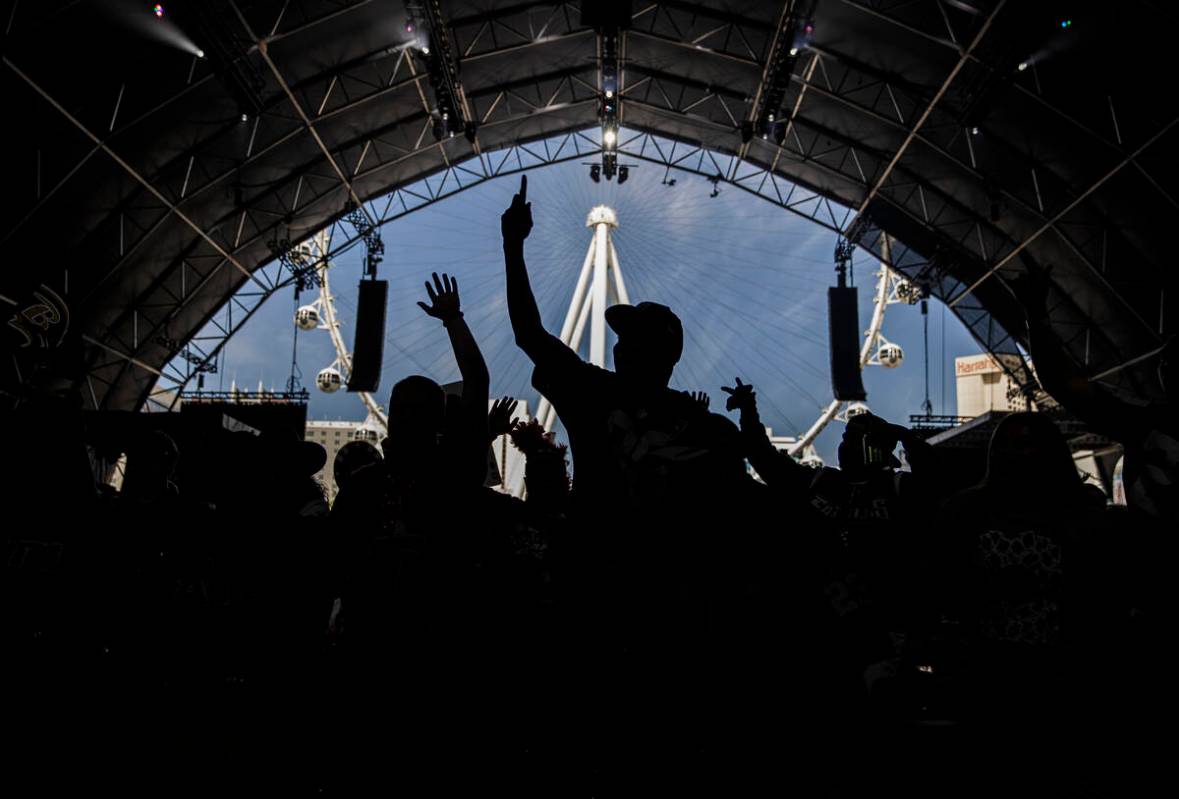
[597, 355]
[599, 282]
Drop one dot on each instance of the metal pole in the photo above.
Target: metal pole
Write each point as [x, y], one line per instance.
[597, 354]
[616, 271]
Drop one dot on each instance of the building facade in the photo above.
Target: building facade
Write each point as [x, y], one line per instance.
[984, 386]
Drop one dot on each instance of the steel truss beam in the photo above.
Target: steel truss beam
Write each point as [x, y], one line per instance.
[487, 36]
[644, 146]
[395, 204]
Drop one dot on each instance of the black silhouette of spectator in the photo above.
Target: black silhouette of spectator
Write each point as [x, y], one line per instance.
[1034, 577]
[151, 464]
[546, 467]
[627, 430]
[651, 467]
[411, 524]
[874, 522]
[1148, 432]
[351, 459]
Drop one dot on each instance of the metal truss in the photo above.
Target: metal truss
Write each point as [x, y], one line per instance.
[817, 172]
[1087, 238]
[345, 234]
[645, 146]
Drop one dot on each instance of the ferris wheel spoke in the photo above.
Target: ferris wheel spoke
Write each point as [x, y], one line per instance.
[762, 358]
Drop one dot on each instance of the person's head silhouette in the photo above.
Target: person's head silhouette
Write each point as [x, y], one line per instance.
[1028, 453]
[351, 459]
[650, 342]
[867, 446]
[417, 410]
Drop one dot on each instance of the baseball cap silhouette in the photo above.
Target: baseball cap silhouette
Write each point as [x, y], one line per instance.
[651, 322]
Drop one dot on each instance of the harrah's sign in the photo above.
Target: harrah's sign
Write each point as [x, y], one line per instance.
[980, 364]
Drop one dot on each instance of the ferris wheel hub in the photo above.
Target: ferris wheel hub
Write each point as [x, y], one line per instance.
[601, 215]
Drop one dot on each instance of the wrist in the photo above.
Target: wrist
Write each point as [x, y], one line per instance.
[454, 317]
[513, 246]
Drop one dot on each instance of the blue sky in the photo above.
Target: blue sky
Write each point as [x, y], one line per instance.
[747, 278]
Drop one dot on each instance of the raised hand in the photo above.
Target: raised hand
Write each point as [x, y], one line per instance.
[499, 419]
[741, 397]
[701, 399]
[516, 222]
[880, 428]
[531, 439]
[444, 298]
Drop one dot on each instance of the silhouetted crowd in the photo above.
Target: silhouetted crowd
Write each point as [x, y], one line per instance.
[662, 623]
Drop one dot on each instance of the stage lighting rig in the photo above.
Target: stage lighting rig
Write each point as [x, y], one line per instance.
[438, 52]
[297, 261]
[374, 246]
[793, 34]
[208, 23]
[608, 20]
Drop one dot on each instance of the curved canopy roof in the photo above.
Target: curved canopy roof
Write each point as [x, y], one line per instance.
[146, 185]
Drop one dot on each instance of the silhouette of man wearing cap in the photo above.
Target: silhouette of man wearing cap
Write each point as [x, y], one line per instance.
[651, 473]
[630, 435]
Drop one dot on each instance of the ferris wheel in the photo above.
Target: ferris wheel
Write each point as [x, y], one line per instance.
[322, 315]
[670, 271]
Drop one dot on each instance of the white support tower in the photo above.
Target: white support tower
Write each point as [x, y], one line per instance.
[599, 286]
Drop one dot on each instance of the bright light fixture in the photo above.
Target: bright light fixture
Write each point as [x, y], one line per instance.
[609, 138]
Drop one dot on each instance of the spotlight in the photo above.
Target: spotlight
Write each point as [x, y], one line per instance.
[409, 28]
[809, 28]
[974, 131]
[245, 117]
[158, 10]
[1023, 65]
[623, 174]
[609, 137]
[609, 93]
[200, 53]
[1066, 23]
[793, 51]
[596, 173]
[425, 49]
